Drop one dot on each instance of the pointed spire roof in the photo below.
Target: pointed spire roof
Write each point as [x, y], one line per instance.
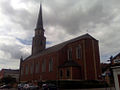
[39, 25]
[21, 58]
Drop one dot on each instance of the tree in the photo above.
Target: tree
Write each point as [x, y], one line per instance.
[8, 80]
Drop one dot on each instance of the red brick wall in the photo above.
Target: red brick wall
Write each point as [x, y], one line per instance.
[63, 54]
[42, 75]
[91, 57]
[1, 73]
[76, 73]
[97, 57]
[88, 62]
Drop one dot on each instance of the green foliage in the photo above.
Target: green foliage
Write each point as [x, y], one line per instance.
[8, 80]
[68, 84]
[81, 84]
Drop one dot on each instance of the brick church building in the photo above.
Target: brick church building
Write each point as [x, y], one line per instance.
[75, 59]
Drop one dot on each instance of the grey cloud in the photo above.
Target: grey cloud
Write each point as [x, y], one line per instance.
[70, 16]
[74, 20]
[13, 50]
[21, 17]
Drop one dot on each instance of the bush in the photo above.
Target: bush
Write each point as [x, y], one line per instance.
[8, 80]
[67, 84]
[81, 84]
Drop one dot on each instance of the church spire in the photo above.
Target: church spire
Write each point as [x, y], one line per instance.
[39, 25]
[39, 40]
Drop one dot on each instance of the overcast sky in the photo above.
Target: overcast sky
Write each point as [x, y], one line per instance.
[63, 20]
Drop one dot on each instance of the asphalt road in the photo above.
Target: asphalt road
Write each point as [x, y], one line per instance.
[74, 89]
[9, 89]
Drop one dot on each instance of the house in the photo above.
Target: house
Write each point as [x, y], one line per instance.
[115, 65]
[9, 72]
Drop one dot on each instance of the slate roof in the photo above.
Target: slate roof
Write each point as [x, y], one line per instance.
[11, 71]
[116, 56]
[59, 46]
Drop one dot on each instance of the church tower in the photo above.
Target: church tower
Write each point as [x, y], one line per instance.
[39, 40]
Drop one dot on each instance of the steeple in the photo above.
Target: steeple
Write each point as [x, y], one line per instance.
[39, 40]
[39, 25]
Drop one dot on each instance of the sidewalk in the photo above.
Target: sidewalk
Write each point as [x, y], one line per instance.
[112, 88]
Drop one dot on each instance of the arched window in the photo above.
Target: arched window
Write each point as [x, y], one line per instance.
[31, 68]
[41, 42]
[68, 73]
[51, 65]
[61, 73]
[37, 67]
[78, 52]
[70, 54]
[43, 66]
[22, 70]
[26, 69]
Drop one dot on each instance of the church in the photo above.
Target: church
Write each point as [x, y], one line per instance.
[75, 59]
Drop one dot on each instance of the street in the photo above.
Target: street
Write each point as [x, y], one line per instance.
[74, 89]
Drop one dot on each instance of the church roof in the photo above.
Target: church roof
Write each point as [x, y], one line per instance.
[59, 46]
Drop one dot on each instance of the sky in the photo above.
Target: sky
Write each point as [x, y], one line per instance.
[63, 20]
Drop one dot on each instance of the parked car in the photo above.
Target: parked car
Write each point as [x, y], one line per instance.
[27, 87]
[20, 86]
[49, 87]
[5, 86]
[33, 87]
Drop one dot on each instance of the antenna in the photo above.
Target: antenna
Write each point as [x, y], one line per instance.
[41, 1]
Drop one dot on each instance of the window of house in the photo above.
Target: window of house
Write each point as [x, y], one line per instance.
[37, 67]
[26, 70]
[41, 42]
[68, 73]
[61, 73]
[78, 52]
[43, 66]
[70, 54]
[51, 65]
[22, 70]
[31, 68]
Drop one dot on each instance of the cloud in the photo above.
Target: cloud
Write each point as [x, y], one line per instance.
[63, 20]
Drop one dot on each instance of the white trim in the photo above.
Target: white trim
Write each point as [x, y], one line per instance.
[116, 72]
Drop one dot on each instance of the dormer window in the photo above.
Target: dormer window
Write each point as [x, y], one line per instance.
[70, 54]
